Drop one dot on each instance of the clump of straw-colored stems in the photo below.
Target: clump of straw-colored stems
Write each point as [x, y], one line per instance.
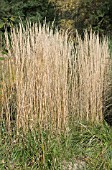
[46, 79]
[89, 77]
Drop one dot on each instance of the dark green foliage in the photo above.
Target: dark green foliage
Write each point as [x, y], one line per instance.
[35, 10]
[12, 11]
[89, 13]
[86, 14]
[96, 14]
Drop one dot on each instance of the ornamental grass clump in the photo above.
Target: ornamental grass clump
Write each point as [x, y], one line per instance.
[90, 68]
[46, 79]
[39, 60]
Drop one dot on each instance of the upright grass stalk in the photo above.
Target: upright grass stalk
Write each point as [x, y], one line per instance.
[40, 61]
[89, 75]
[46, 79]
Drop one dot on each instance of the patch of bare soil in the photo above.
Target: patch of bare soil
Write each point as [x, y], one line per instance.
[74, 165]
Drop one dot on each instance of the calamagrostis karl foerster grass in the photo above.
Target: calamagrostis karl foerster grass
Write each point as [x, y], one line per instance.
[46, 79]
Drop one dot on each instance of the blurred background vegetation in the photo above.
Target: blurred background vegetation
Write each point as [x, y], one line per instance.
[67, 14]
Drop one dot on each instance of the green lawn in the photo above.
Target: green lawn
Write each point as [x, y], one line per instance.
[85, 142]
